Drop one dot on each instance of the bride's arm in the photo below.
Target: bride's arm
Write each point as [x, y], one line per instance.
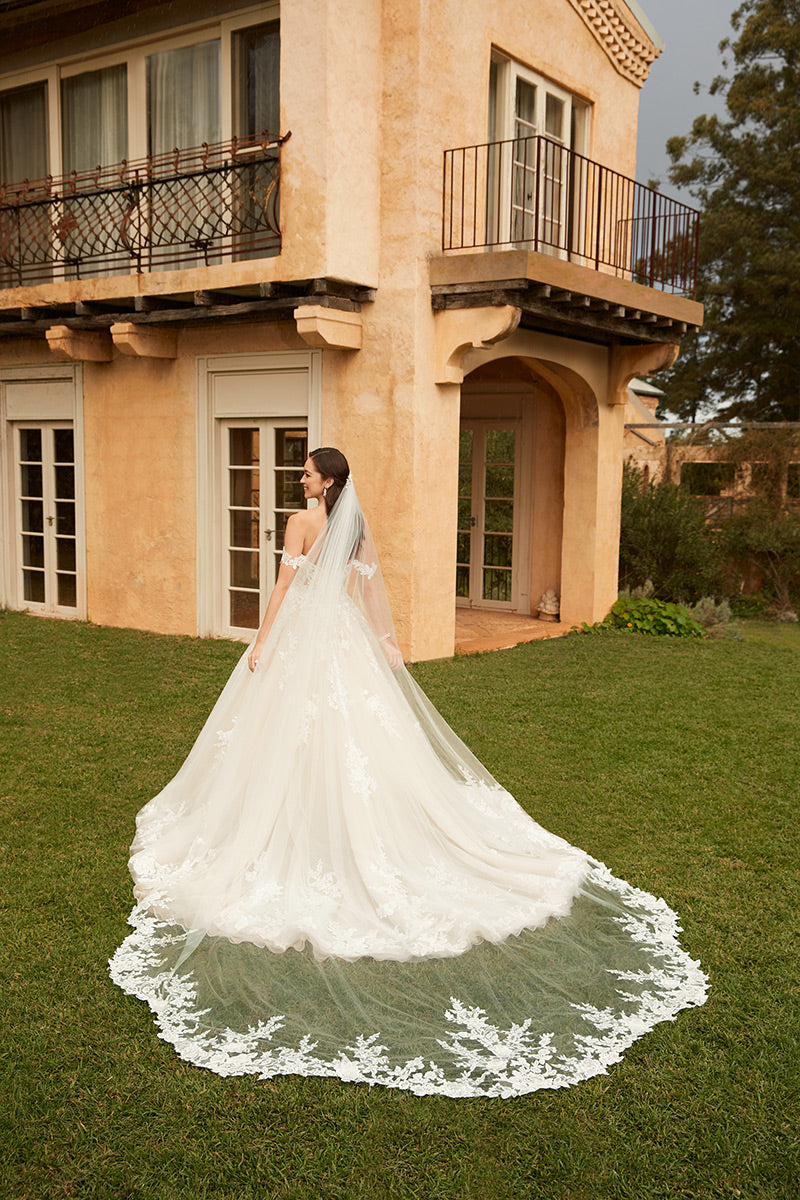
[377, 613]
[293, 546]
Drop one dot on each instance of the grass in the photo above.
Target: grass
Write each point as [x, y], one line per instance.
[675, 762]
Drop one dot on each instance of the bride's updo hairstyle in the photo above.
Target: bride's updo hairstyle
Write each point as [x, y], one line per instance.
[331, 464]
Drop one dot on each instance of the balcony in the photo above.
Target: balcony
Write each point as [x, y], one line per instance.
[192, 207]
[574, 244]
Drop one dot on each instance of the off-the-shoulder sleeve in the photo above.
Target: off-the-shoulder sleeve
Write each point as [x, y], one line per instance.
[294, 563]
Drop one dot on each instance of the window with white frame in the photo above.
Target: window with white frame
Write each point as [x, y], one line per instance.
[533, 125]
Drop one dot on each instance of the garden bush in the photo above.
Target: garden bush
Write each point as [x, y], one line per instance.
[655, 617]
[664, 539]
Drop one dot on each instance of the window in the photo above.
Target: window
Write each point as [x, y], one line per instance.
[24, 232]
[533, 126]
[707, 478]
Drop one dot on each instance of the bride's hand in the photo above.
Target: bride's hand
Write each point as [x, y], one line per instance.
[252, 658]
[393, 655]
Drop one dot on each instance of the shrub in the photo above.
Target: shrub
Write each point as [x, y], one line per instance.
[715, 617]
[767, 539]
[664, 539]
[657, 618]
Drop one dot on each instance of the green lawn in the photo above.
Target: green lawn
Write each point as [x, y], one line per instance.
[674, 762]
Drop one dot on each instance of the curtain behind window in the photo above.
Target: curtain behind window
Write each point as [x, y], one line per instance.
[183, 97]
[94, 119]
[23, 134]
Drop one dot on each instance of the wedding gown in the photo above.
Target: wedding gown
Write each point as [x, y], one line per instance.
[332, 884]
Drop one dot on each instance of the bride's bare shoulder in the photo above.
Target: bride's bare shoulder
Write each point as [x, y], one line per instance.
[304, 525]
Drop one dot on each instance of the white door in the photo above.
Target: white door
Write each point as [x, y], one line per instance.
[45, 517]
[540, 168]
[488, 507]
[260, 463]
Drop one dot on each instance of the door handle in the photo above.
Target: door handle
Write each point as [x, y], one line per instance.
[268, 534]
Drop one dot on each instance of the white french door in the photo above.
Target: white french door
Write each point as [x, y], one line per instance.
[260, 465]
[45, 517]
[530, 176]
[488, 514]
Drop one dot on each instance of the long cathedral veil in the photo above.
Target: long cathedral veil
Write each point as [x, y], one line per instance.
[333, 884]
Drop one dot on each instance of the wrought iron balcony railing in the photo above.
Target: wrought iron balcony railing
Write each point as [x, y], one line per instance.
[534, 193]
[188, 207]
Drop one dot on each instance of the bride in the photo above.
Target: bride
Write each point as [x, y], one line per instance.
[332, 884]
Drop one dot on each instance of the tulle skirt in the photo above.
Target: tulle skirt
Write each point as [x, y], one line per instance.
[334, 885]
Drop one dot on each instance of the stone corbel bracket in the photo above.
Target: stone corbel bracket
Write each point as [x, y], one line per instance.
[139, 341]
[626, 362]
[328, 328]
[78, 345]
[460, 330]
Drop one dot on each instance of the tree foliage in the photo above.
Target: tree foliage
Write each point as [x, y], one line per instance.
[744, 172]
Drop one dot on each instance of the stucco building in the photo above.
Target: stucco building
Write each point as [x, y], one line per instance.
[229, 233]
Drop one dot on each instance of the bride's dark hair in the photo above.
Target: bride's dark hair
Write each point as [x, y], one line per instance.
[331, 464]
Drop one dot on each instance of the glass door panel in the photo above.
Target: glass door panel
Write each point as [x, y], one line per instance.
[46, 517]
[262, 464]
[466, 520]
[486, 515]
[498, 515]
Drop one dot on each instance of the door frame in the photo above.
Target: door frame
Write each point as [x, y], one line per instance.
[55, 395]
[241, 387]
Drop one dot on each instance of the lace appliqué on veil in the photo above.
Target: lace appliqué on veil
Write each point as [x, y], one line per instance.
[365, 569]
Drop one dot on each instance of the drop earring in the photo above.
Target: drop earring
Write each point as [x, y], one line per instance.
[324, 492]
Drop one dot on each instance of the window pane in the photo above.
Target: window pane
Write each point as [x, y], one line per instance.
[462, 581]
[33, 550]
[244, 490]
[67, 591]
[500, 446]
[499, 516]
[23, 134]
[464, 514]
[65, 483]
[244, 447]
[291, 447]
[525, 108]
[33, 516]
[258, 58]
[497, 585]
[497, 549]
[94, 119]
[31, 480]
[30, 445]
[554, 117]
[244, 528]
[33, 586]
[500, 482]
[65, 517]
[244, 568]
[65, 554]
[183, 97]
[244, 610]
[465, 480]
[64, 445]
[463, 547]
[465, 446]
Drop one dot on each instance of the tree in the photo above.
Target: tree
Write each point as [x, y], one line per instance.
[744, 171]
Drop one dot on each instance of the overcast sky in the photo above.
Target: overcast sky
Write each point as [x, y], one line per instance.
[692, 30]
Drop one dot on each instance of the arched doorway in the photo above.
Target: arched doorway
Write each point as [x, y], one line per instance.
[511, 488]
